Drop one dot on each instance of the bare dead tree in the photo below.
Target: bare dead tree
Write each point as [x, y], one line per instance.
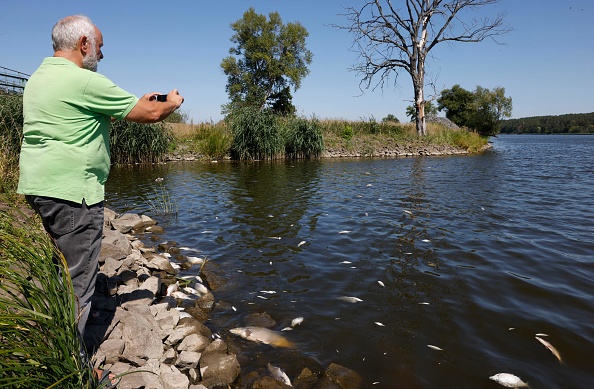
[391, 38]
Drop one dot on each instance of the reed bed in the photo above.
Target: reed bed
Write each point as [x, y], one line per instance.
[256, 135]
[139, 143]
[40, 345]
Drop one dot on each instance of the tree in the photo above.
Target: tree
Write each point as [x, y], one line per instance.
[391, 38]
[269, 58]
[390, 119]
[429, 109]
[481, 110]
[489, 108]
[457, 103]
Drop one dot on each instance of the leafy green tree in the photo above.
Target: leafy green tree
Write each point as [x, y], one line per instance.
[457, 103]
[177, 117]
[390, 119]
[482, 110]
[489, 108]
[268, 58]
[430, 109]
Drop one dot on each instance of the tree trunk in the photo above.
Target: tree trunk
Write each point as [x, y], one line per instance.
[420, 107]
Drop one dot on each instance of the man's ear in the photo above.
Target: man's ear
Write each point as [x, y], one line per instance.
[84, 45]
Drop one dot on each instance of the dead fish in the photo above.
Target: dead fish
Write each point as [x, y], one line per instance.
[407, 212]
[279, 375]
[381, 284]
[350, 299]
[434, 347]
[180, 295]
[200, 288]
[550, 347]
[344, 232]
[301, 243]
[262, 335]
[193, 291]
[346, 262]
[195, 260]
[296, 321]
[380, 324]
[172, 288]
[509, 380]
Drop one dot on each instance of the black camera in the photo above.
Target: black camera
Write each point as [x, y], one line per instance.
[161, 98]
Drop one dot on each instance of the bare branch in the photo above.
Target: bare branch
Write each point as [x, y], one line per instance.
[390, 39]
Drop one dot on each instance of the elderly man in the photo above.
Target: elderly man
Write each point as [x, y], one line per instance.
[64, 159]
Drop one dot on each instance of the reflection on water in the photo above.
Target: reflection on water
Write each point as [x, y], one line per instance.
[475, 255]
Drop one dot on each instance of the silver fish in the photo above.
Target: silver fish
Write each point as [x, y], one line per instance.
[279, 375]
[180, 295]
[509, 380]
[193, 291]
[262, 335]
[172, 288]
[350, 299]
[550, 347]
[296, 321]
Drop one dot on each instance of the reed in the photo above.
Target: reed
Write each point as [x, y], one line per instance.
[212, 141]
[40, 346]
[303, 138]
[139, 143]
[467, 140]
[255, 135]
[160, 202]
[11, 133]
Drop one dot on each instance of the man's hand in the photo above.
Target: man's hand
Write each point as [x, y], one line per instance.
[148, 110]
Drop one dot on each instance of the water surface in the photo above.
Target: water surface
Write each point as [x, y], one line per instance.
[476, 255]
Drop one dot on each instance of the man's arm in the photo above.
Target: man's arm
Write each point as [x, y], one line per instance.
[148, 110]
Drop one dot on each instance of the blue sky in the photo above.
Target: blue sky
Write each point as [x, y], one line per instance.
[546, 64]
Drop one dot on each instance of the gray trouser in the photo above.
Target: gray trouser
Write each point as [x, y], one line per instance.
[77, 230]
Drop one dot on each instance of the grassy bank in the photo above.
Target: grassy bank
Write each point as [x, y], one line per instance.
[356, 138]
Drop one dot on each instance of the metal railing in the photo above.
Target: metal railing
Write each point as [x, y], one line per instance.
[12, 81]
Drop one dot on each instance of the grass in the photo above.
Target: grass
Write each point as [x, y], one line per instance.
[160, 202]
[40, 346]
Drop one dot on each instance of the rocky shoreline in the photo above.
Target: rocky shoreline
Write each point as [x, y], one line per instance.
[143, 330]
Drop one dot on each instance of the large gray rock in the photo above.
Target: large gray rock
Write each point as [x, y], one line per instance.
[114, 244]
[172, 378]
[141, 335]
[219, 369]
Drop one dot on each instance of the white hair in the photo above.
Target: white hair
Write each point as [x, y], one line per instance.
[68, 31]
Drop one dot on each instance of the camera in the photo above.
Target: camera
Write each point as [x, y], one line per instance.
[161, 97]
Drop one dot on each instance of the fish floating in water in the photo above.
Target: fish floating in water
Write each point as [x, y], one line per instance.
[279, 375]
[262, 335]
[434, 347]
[296, 321]
[344, 232]
[350, 299]
[550, 347]
[301, 243]
[381, 284]
[509, 380]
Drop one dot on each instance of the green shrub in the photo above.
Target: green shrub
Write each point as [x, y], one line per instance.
[347, 132]
[256, 135]
[138, 143]
[303, 138]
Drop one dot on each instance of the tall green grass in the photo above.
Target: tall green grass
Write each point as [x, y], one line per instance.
[11, 133]
[212, 141]
[303, 138]
[256, 135]
[39, 342]
[138, 143]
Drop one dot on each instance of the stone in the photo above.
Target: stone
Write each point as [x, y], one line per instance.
[141, 337]
[157, 262]
[219, 369]
[152, 284]
[345, 378]
[114, 244]
[172, 378]
[127, 222]
[112, 349]
[194, 342]
[187, 360]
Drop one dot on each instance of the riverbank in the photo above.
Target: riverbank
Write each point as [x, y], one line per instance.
[152, 327]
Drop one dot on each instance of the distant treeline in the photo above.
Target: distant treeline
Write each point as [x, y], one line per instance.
[575, 123]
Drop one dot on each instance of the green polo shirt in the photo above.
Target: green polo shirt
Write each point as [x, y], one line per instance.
[67, 111]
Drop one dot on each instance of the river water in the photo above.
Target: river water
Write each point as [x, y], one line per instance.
[458, 261]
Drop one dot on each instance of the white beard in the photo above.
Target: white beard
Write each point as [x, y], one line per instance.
[91, 60]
